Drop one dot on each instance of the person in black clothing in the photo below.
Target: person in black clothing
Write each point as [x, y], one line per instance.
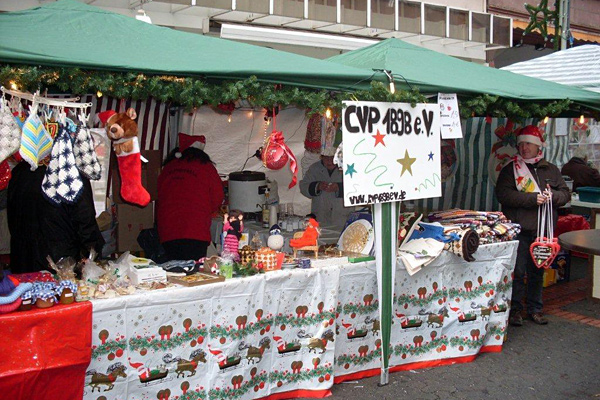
[578, 169]
[39, 228]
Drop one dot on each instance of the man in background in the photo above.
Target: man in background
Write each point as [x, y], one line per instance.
[323, 184]
[578, 169]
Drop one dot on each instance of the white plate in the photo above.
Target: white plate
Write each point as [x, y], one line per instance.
[358, 237]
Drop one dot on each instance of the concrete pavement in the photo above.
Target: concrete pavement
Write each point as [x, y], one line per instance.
[560, 360]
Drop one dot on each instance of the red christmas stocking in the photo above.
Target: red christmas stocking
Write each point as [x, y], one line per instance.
[130, 169]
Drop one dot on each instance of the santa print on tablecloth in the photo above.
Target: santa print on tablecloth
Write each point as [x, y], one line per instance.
[143, 372]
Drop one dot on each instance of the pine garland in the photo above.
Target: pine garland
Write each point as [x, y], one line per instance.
[248, 269]
[420, 302]
[193, 395]
[191, 92]
[504, 287]
[176, 340]
[312, 319]
[356, 359]
[458, 341]
[219, 331]
[360, 308]
[306, 375]
[496, 330]
[228, 392]
[108, 347]
[413, 349]
[474, 293]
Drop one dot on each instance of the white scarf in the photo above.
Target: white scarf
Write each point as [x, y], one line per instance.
[523, 177]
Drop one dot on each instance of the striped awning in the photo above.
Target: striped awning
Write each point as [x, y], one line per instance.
[577, 66]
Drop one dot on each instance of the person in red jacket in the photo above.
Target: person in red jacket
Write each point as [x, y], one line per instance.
[189, 193]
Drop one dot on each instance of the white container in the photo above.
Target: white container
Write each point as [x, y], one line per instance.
[147, 274]
[247, 191]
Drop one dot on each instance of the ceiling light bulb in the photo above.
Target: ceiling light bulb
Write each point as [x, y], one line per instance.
[99, 94]
[392, 87]
[328, 113]
[546, 120]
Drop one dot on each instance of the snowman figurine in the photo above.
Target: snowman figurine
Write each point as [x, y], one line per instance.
[275, 240]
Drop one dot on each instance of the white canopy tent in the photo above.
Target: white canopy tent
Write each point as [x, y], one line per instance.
[577, 66]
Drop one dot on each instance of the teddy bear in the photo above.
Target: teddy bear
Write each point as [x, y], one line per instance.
[122, 130]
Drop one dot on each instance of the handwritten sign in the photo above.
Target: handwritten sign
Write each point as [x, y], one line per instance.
[450, 117]
[391, 152]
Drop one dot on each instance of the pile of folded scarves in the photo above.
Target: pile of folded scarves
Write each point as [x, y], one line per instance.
[492, 226]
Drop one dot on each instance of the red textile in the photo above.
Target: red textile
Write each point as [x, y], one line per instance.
[45, 352]
[189, 193]
[571, 222]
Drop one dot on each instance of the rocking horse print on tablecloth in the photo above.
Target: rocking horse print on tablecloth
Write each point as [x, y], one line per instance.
[113, 372]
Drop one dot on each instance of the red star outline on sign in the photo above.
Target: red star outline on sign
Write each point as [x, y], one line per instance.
[378, 139]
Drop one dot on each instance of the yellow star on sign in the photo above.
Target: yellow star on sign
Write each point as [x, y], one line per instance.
[406, 163]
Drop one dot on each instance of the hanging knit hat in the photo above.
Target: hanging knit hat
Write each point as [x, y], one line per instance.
[531, 134]
[10, 133]
[62, 181]
[85, 155]
[36, 142]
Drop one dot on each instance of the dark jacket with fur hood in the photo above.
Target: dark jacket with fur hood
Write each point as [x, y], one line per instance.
[521, 207]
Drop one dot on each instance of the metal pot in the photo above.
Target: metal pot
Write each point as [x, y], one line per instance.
[247, 191]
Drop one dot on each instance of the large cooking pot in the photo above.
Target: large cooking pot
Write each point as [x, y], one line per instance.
[247, 191]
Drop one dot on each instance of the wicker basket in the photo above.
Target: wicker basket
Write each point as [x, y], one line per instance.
[247, 254]
[268, 258]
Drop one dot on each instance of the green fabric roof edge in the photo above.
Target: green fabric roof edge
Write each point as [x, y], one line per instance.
[433, 72]
[67, 33]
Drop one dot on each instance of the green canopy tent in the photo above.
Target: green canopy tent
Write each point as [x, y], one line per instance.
[433, 72]
[67, 33]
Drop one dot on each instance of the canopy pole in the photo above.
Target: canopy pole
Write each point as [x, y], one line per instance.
[386, 234]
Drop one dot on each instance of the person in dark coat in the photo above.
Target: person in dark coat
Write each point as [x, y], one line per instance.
[39, 228]
[523, 186]
[578, 169]
[189, 193]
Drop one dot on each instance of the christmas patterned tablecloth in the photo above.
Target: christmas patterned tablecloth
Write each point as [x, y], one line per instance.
[292, 333]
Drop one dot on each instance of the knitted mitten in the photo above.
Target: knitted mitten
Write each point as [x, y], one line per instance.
[10, 133]
[62, 181]
[85, 156]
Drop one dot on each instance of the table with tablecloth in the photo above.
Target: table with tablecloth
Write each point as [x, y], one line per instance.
[296, 332]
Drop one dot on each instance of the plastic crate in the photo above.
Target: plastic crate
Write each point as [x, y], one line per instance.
[589, 194]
